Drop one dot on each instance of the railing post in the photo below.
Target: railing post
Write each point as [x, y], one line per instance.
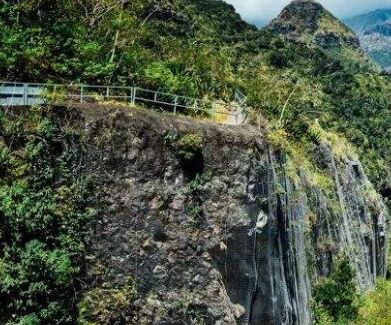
[133, 97]
[155, 97]
[25, 94]
[107, 92]
[175, 104]
[81, 93]
[195, 106]
[53, 94]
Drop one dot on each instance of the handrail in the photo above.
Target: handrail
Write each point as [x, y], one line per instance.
[28, 94]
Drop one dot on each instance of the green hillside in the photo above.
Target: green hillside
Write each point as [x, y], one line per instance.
[203, 48]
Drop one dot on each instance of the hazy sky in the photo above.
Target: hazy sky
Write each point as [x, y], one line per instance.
[263, 10]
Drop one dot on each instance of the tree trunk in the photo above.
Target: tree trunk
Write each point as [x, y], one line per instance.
[117, 34]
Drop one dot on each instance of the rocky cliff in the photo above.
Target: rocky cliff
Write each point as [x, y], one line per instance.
[213, 224]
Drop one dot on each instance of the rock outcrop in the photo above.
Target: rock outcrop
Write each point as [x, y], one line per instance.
[228, 234]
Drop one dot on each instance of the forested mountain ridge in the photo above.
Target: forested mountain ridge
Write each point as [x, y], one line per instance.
[309, 177]
[362, 22]
[374, 30]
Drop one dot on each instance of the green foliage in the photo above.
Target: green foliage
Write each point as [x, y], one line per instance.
[170, 137]
[108, 304]
[44, 208]
[161, 74]
[376, 308]
[189, 146]
[321, 316]
[195, 209]
[141, 42]
[336, 297]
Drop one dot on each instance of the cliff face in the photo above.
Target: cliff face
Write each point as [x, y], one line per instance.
[225, 231]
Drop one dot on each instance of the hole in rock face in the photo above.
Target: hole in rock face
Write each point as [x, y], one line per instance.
[357, 171]
[160, 236]
[193, 167]
[189, 150]
[199, 314]
[386, 192]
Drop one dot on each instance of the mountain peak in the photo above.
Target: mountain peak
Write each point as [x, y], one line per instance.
[308, 21]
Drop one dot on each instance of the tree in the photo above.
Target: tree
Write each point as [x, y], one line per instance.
[337, 294]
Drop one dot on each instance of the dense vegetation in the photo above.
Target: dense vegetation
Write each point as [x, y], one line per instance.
[192, 47]
[152, 43]
[45, 204]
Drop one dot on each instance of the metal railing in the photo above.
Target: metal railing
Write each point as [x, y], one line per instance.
[29, 94]
[240, 98]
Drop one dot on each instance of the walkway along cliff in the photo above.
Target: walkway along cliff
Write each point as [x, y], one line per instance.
[213, 225]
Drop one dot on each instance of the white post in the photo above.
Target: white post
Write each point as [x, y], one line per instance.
[175, 104]
[133, 99]
[25, 94]
[107, 92]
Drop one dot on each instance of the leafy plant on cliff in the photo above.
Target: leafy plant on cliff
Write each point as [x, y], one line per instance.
[44, 208]
[107, 304]
[194, 208]
[189, 146]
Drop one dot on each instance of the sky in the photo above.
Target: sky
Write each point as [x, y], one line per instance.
[262, 11]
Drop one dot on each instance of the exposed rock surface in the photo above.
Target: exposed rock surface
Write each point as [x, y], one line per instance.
[241, 241]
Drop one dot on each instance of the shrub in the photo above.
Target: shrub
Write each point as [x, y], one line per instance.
[376, 308]
[107, 305]
[189, 146]
[337, 296]
[321, 316]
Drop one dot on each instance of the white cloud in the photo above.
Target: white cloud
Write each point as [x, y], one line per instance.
[265, 10]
